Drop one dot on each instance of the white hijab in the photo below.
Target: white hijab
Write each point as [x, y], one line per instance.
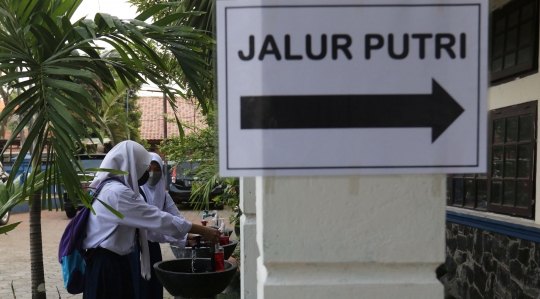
[125, 156]
[131, 157]
[156, 194]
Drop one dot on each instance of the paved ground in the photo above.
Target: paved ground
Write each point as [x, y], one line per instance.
[15, 252]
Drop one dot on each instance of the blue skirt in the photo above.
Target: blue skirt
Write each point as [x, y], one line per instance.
[146, 289]
[108, 275]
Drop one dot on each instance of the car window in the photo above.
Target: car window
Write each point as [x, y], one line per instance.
[94, 163]
[181, 169]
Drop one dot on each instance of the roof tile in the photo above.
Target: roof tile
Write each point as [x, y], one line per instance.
[152, 118]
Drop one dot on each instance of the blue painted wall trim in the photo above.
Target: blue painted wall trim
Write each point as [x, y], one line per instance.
[497, 226]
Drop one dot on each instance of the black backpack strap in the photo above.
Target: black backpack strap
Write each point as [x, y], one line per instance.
[89, 254]
[143, 195]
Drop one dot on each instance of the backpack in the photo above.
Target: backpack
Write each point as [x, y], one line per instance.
[71, 255]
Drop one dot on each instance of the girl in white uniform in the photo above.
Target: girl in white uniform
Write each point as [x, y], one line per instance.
[156, 195]
[110, 239]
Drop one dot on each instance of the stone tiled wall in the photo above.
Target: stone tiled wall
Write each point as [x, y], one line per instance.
[487, 265]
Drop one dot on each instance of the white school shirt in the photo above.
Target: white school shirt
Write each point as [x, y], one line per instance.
[118, 235]
[169, 207]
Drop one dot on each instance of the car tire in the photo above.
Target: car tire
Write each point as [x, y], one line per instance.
[4, 220]
[71, 212]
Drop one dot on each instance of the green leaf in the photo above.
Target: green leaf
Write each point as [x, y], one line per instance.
[157, 29]
[55, 70]
[50, 24]
[66, 8]
[133, 56]
[83, 32]
[138, 35]
[154, 9]
[176, 17]
[118, 49]
[76, 106]
[67, 85]
[115, 212]
[107, 18]
[63, 120]
[9, 227]
[16, 76]
[26, 8]
[113, 171]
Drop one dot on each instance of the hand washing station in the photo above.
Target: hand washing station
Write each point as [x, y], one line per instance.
[203, 251]
[191, 276]
[188, 278]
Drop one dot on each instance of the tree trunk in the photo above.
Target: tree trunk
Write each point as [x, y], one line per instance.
[36, 249]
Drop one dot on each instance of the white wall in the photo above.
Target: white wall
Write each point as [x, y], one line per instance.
[248, 245]
[350, 236]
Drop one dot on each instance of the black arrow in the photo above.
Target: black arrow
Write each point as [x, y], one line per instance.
[437, 111]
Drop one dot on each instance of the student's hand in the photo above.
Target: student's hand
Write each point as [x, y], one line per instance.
[211, 234]
[208, 233]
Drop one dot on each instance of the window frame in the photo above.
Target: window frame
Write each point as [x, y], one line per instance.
[475, 177]
[528, 212]
[517, 70]
[503, 113]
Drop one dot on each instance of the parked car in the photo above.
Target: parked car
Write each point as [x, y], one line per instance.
[182, 178]
[88, 161]
[5, 219]
[3, 177]
[3, 173]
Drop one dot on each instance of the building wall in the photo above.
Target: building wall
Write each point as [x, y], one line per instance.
[482, 263]
[517, 91]
[488, 265]
[494, 4]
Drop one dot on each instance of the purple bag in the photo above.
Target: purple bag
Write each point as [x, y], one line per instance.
[71, 255]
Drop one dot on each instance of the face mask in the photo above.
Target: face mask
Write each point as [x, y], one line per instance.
[143, 179]
[154, 178]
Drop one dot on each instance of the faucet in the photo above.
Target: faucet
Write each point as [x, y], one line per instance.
[206, 214]
[198, 242]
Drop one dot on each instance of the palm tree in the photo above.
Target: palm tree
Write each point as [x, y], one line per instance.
[118, 125]
[44, 54]
[116, 121]
[200, 144]
[205, 22]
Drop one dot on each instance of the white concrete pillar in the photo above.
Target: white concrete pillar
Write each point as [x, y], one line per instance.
[350, 236]
[248, 242]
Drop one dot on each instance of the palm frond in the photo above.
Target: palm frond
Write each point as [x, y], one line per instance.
[49, 58]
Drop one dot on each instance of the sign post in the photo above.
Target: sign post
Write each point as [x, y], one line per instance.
[344, 88]
[318, 96]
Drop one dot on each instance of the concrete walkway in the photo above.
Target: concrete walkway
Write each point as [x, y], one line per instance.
[15, 254]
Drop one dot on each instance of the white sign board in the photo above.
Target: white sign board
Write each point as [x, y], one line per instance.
[338, 88]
